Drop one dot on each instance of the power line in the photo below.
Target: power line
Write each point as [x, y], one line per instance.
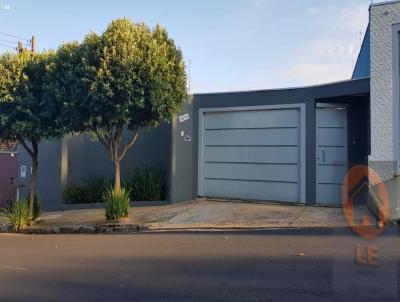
[8, 41]
[13, 43]
[13, 36]
[7, 46]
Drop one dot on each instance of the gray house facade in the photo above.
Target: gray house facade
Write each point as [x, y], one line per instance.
[290, 145]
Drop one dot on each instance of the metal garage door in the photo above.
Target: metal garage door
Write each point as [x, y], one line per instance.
[251, 154]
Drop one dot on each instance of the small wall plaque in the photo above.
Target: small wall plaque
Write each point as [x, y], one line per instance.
[183, 117]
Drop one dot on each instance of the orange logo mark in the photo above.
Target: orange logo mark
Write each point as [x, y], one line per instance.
[362, 182]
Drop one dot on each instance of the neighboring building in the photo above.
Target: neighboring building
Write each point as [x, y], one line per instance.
[8, 172]
[286, 145]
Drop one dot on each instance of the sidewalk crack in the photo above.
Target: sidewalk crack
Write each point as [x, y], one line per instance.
[297, 216]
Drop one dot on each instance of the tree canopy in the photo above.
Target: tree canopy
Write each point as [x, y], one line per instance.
[26, 112]
[128, 78]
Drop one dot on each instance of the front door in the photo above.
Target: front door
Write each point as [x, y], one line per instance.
[331, 153]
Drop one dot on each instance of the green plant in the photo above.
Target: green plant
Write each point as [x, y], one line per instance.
[116, 204]
[146, 184]
[90, 191]
[18, 214]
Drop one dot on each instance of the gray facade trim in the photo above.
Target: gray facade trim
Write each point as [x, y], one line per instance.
[359, 85]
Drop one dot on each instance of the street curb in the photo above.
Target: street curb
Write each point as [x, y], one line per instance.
[112, 228]
[121, 228]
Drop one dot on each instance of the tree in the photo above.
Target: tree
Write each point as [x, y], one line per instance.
[26, 113]
[129, 78]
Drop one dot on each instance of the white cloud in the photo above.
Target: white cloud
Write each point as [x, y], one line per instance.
[351, 18]
[317, 73]
[331, 47]
[331, 55]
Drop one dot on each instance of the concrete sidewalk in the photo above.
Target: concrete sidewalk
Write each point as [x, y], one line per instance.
[207, 214]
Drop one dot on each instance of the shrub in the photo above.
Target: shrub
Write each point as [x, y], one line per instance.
[116, 204]
[90, 191]
[143, 184]
[146, 184]
[18, 214]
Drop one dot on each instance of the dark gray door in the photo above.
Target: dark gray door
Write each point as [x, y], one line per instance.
[253, 154]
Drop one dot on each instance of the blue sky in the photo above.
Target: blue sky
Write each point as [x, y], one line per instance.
[232, 44]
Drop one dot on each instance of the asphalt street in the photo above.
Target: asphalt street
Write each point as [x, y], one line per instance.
[281, 265]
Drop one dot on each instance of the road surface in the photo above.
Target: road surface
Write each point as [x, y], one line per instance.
[286, 265]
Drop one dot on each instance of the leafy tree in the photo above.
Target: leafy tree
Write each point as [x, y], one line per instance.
[26, 113]
[128, 78]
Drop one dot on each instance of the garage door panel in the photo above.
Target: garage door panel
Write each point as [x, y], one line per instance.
[238, 154]
[274, 191]
[253, 137]
[251, 154]
[243, 171]
[252, 119]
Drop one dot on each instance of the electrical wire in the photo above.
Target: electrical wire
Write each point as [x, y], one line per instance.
[13, 36]
[7, 46]
[8, 41]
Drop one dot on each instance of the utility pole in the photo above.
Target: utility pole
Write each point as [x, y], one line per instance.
[21, 48]
[33, 44]
[190, 65]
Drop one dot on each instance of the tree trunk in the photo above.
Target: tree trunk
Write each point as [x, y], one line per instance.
[117, 176]
[33, 152]
[33, 183]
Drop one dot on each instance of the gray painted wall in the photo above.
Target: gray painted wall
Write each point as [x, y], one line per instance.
[49, 188]
[78, 157]
[180, 180]
[87, 157]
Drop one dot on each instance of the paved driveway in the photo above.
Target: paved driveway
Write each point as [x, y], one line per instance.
[211, 214]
